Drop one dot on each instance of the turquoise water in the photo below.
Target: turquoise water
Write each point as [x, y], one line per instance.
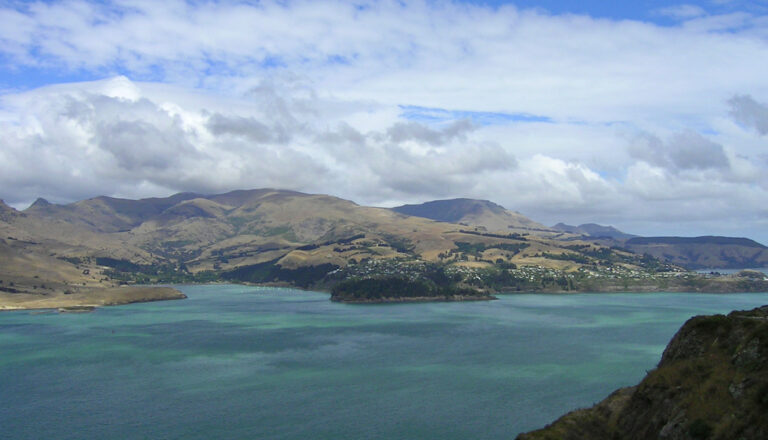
[242, 362]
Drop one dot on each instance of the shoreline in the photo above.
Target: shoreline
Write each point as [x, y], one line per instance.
[104, 297]
[417, 299]
[609, 288]
[92, 298]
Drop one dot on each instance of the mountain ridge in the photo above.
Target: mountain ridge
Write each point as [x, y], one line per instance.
[272, 235]
[706, 239]
[704, 252]
[594, 230]
[472, 212]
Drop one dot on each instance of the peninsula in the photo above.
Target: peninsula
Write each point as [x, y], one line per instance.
[86, 299]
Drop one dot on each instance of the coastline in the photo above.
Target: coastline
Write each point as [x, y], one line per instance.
[101, 297]
[91, 298]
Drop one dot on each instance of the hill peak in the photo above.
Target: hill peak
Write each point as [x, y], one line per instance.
[449, 210]
[40, 203]
[42, 206]
[471, 212]
[594, 230]
[4, 207]
[7, 212]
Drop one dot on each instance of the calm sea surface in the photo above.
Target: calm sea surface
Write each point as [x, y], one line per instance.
[237, 362]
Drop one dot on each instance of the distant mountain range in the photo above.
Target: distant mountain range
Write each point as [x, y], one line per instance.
[689, 252]
[281, 235]
[471, 212]
[707, 252]
[703, 252]
[594, 230]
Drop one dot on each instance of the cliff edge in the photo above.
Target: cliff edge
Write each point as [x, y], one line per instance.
[711, 383]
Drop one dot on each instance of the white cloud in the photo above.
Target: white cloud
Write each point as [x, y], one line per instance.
[684, 151]
[103, 141]
[434, 55]
[306, 95]
[745, 110]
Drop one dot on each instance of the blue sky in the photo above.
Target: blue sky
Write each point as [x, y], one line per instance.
[649, 115]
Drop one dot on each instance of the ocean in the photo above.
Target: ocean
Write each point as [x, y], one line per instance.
[239, 362]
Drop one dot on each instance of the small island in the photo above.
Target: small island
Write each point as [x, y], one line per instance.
[398, 289]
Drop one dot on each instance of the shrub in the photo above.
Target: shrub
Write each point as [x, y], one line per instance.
[699, 429]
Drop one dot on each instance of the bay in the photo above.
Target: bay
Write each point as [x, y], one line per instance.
[265, 363]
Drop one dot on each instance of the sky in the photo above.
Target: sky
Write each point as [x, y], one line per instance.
[651, 116]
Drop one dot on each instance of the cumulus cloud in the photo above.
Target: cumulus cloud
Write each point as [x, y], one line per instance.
[439, 173]
[104, 141]
[123, 138]
[750, 113]
[411, 159]
[87, 141]
[403, 131]
[248, 128]
[534, 108]
[556, 185]
[683, 151]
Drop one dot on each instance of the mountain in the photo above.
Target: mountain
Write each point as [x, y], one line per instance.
[246, 227]
[690, 252]
[7, 213]
[315, 240]
[276, 235]
[471, 212]
[711, 383]
[703, 252]
[224, 231]
[594, 230]
[106, 214]
[44, 271]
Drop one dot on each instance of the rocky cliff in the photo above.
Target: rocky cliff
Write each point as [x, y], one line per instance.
[711, 383]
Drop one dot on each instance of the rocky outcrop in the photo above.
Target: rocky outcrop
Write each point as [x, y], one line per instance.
[711, 383]
[7, 214]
